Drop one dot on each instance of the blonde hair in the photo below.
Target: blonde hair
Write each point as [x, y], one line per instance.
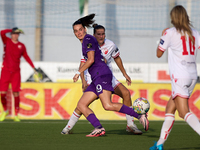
[181, 21]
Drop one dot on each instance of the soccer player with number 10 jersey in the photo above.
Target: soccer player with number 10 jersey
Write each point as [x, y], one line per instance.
[182, 42]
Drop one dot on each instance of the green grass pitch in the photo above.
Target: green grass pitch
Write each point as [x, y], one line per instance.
[45, 135]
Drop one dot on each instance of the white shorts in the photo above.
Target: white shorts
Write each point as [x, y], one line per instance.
[115, 82]
[183, 87]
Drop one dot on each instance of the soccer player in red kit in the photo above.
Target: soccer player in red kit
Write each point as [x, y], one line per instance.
[10, 70]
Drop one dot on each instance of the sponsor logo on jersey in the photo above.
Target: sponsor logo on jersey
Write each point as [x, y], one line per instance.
[89, 45]
[105, 51]
[162, 41]
[19, 46]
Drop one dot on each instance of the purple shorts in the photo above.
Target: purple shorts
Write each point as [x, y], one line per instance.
[101, 83]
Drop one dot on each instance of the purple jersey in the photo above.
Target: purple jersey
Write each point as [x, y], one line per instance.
[99, 67]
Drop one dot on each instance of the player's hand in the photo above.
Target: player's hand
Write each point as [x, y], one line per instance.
[36, 75]
[84, 86]
[35, 70]
[128, 79]
[75, 78]
[163, 32]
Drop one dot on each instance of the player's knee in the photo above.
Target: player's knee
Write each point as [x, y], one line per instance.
[78, 107]
[182, 115]
[126, 94]
[108, 107]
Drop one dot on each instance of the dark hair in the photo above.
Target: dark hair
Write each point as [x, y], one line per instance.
[85, 21]
[96, 27]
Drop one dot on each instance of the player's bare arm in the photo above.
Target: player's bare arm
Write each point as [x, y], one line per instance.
[159, 52]
[119, 63]
[84, 83]
[87, 64]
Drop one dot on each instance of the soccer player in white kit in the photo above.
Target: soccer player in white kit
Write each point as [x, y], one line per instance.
[109, 51]
[182, 43]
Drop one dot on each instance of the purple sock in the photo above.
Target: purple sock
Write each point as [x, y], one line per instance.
[129, 111]
[94, 121]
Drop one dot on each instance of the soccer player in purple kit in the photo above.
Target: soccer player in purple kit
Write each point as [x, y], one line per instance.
[109, 51]
[101, 86]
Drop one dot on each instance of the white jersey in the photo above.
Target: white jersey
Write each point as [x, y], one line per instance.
[109, 50]
[181, 53]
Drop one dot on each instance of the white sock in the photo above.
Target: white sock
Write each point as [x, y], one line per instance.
[72, 121]
[130, 120]
[193, 121]
[166, 128]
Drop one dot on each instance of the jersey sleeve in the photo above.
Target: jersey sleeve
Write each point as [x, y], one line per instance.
[164, 41]
[115, 51]
[27, 58]
[3, 35]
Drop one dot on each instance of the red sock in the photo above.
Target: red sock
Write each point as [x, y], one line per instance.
[16, 105]
[3, 101]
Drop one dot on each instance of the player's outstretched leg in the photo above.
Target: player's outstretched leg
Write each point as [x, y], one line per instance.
[193, 121]
[124, 93]
[144, 121]
[165, 131]
[72, 121]
[99, 130]
[142, 118]
[131, 126]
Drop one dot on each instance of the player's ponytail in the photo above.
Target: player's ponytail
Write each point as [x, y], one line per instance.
[86, 21]
[181, 21]
[96, 27]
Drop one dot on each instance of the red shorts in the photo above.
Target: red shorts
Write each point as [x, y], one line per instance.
[8, 77]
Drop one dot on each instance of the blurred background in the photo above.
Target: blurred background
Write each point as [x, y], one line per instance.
[135, 26]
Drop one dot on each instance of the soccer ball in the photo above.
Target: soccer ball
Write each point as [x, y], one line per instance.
[141, 105]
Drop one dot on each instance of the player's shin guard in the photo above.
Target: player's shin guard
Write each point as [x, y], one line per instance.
[94, 121]
[129, 111]
[72, 121]
[4, 102]
[166, 128]
[17, 100]
[193, 121]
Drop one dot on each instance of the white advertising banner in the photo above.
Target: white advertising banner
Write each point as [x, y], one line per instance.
[64, 72]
